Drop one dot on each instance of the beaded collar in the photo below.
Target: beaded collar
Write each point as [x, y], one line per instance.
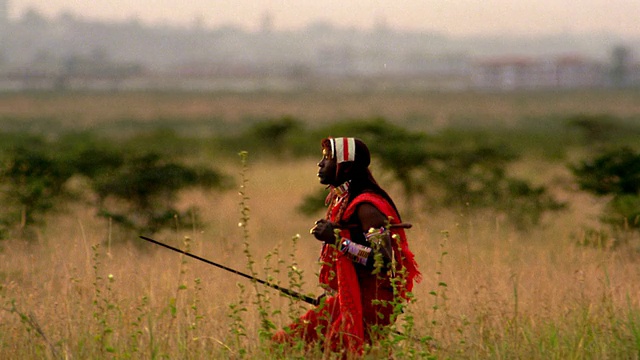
[342, 189]
[337, 194]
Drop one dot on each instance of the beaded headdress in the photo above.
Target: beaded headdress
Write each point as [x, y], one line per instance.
[346, 149]
[343, 149]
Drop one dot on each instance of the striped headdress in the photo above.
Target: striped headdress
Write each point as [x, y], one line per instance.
[348, 149]
[343, 149]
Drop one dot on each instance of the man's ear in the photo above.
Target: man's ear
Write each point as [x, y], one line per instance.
[344, 172]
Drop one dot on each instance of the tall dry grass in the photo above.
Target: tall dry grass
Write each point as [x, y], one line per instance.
[488, 291]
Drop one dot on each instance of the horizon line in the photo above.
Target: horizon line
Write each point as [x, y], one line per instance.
[379, 26]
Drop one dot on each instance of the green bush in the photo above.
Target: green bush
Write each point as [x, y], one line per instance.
[474, 177]
[614, 173]
[280, 137]
[33, 184]
[135, 185]
[140, 194]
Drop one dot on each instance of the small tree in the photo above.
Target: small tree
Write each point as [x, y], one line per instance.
[140, 194]
[272, 135]
[33, 184]
[614, 173]
[474, 177]
[596, 129]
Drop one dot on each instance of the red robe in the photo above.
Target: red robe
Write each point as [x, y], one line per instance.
[346, 318]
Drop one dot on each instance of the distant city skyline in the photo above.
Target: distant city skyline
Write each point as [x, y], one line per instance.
[451, 17]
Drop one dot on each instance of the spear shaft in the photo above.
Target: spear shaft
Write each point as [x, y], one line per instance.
[287, 292]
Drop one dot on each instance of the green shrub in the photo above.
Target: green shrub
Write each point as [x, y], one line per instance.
[33, 184]
[614, 173]
[280, 137]
[140, 194]
[474, 178]
[135, 186]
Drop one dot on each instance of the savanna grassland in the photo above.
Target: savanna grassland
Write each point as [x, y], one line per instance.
[82, 289]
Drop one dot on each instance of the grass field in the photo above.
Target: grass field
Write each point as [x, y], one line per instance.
[416, 109]
[489, 291]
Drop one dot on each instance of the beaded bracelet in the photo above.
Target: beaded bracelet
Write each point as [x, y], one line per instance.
[358, 253]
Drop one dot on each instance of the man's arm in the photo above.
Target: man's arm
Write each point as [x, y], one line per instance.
[371, 218]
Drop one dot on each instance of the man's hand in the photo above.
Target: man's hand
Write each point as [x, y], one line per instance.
[323, 230]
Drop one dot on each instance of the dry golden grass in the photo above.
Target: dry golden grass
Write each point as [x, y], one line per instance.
[508, 294]
[503, 288]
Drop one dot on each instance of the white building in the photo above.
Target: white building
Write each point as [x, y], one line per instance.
[508, 73]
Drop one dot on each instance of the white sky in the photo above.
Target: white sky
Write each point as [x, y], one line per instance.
[454, 17]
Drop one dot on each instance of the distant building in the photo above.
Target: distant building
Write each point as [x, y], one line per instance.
[508, 73]
[68, 52]
[412, 68]
[577, 72]
[522, 73]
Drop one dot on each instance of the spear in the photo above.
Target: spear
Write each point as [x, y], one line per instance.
[287, 292]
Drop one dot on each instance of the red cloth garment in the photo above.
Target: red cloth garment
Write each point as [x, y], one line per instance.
[403, 255]
[345, 319]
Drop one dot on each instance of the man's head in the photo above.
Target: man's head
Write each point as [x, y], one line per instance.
[342, 159]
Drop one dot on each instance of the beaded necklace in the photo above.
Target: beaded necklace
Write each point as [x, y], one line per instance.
[338, 195]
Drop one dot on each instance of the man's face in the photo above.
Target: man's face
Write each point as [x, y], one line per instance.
[327, 168]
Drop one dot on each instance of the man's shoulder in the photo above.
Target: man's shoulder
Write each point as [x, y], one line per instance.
[369, 197]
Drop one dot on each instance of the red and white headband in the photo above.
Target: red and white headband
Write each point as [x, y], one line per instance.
[344, 149]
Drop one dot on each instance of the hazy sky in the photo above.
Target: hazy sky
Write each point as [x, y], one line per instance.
[455, 17]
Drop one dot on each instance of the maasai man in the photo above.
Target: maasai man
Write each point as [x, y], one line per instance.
[362, 254]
